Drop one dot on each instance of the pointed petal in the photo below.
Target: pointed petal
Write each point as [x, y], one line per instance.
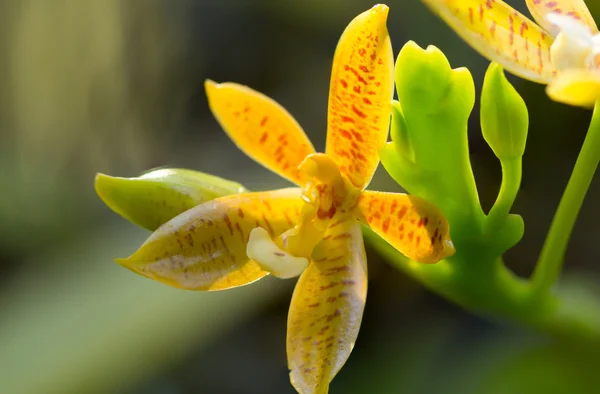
[158, 196]
[327, 308]
[260, 127]
[580, 88]
[360, 96]
[501, 34]
[204, 248]
[573, 8]
[414, 226]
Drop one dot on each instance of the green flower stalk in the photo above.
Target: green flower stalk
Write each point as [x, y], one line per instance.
[504, 124]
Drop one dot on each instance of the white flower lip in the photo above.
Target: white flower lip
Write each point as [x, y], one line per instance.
[572, 27]
[271, 258]
[575, 46]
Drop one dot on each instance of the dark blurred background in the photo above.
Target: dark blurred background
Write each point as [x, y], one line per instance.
[116, 86]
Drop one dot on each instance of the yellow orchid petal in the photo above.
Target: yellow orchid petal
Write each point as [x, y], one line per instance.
[414, 226]
[360, 96]
[327, 308]
[270, 257]
[573, 8]
[580, 88]
[501, 34]
[204, 248]
[260, 127]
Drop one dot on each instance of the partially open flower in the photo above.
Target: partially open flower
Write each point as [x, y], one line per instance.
[562, 51]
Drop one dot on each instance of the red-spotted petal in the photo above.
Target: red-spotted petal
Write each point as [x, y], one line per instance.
[501, 34]
[573, 8]
[327, 308]
[260, 127]
[204, 248]
[414, 226]
[360, 96]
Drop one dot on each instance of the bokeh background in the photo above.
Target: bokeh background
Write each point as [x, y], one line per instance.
[116, 86]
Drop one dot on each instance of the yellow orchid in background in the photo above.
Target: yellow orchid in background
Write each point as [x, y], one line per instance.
[314, 230]
[563, 51]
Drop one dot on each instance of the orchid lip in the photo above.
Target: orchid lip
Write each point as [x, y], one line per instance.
[572, 27]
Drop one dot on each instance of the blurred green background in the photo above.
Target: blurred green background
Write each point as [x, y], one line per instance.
[116, 86]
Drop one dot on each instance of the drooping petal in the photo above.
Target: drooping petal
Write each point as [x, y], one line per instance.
[204, 248]
[158, 196]
[414, 226]
[260, 127]
[580, 88]
[501, 34]
[360, 96]
[573, 8]
[327, 308]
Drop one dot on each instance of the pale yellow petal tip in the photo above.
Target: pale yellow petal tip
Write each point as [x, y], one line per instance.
[443, 251]
[303, 387]
[127, 263]
[101, 183]
[211, 87]
[381, 9]
[448, 249]
[109, 189]
[124, 262]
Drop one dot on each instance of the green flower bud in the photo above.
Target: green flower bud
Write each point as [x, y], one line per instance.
[504, 117]
[158, 196]
[425, 80]
[429, 152]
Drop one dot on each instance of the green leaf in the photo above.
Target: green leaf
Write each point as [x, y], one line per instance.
[158, 196]
[504, 116]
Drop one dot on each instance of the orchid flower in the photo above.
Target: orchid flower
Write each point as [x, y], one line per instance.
[312, 231]
[563, 51]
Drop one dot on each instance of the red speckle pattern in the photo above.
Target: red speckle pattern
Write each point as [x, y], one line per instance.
[261, 128]
[359, 99]
[327, 307]
[573, 8]
[412, 225]
[500, 33]
[205, 247]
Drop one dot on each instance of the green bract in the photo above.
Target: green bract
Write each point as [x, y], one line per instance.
[158, 196]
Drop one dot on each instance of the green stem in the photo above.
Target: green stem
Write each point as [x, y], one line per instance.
[511, 182]
[551, 258]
